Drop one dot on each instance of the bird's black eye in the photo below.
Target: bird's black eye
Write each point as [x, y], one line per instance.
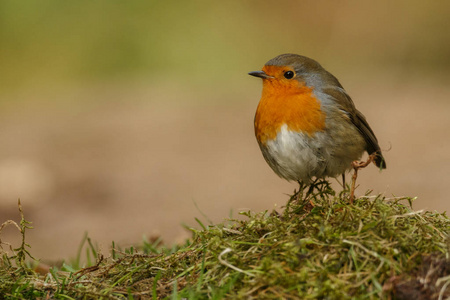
[288, 75]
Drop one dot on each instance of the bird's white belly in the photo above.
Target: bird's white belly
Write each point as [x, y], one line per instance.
[299, 156]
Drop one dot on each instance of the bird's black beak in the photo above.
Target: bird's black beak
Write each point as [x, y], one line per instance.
[260, 74]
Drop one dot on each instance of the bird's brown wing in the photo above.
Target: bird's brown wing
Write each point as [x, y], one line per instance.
[358, 119]
[371, 139]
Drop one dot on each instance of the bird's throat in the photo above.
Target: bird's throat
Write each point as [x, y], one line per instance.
[292, 104]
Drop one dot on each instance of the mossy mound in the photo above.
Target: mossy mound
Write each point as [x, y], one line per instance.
[318, 248]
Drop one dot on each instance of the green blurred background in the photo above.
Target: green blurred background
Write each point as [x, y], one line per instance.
[116, 116]
[46, 44]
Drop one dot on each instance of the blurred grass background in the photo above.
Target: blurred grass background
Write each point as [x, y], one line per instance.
[47, 44]
[117, 115]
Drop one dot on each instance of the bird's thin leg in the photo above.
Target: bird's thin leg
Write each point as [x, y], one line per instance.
[343, 180]
[310, 191]
[301, 187]
[356, 165]
[312, 186]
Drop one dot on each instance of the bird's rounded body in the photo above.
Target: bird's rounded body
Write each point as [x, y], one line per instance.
[306, 125]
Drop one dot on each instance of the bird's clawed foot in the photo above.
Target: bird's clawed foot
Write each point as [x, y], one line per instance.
[313, 189]
[356, 165]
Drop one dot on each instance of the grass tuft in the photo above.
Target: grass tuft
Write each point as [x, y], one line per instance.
[319, 247]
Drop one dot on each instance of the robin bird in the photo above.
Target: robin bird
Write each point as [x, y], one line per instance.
[306, 124]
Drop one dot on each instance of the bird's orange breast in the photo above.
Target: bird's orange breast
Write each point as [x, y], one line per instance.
[287, 102]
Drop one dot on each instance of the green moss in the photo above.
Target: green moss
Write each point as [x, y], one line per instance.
[321, 248]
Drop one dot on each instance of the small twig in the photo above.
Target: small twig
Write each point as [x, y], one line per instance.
[231, 230]
[10, 222]
[444, 287]
[90, 269]
[356, 165]
[373, 253]
[6, 223]
[224, 262]
[419, 212]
